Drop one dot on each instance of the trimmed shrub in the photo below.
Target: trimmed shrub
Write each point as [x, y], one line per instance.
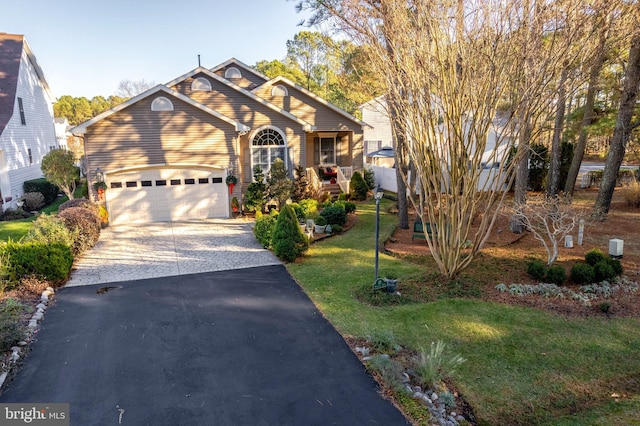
[335, 215]
[616, 265]
[84, 225]
[51, 262]
[32, 200]
[43, 186]
[11, 214]
[348, 206]
[265, 226]
[604, 271]
[309, 207]
[358, 187]
[288, 240]
[536, 269]
[299, 212]
[79, 202]
[321, 221]
[336, 229]
[556, 274]
[49, 229]
[582, 273]
[594, 256]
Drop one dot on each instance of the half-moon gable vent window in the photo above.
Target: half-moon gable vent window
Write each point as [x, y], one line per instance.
[232, 72]
[161, 104]
[279, 90]
[201, 84]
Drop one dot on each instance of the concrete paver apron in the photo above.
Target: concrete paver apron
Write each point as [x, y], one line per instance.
[165, 249]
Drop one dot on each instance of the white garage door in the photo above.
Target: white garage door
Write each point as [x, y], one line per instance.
[166, 194]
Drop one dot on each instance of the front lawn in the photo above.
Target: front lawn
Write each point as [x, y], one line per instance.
[16, 229]
[524, 366]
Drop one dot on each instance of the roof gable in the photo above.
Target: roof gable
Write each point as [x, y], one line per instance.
[286, 81]
[10, 57]
[237, 63]
[307, 126]
[82, 128]
[11, 48]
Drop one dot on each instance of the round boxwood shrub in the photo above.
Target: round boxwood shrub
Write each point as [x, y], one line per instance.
[536, 269]
[582, 273]
[265, 226]
[335, 215]
[288, 240]
[358, 187]
[616, 265]
[594, 256]
[556, 275]
[604, 271]
[84, 225]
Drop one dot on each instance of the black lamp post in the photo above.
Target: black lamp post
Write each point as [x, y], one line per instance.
[378, 193]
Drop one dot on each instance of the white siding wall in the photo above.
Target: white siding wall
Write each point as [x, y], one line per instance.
[374, 113]
[38, 134]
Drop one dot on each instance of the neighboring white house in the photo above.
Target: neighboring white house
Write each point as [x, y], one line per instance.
[26, 117]
[380, 136]
[61, 125]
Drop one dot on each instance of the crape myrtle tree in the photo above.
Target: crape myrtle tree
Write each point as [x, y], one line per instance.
[58, 166]
[447, 66]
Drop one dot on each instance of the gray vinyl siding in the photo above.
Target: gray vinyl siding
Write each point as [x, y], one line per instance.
[138, 137]
[238, 106]
[248, 81]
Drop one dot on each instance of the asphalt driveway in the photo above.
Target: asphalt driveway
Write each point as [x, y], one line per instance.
[164, 249]
[234, 347]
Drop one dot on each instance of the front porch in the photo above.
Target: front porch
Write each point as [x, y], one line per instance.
[330, 156]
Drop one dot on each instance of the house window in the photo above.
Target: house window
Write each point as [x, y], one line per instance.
[372, 146]
[161, 104]
[145, 183]
[23, 119]
[30, 155]
[279, 90]
[267, 145]
[116, 184]
[201, 84]
[328, 150]
[216, 180]
[232, 72]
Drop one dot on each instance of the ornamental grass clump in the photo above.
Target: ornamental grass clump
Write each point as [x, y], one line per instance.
[433, 366]
[288, 240]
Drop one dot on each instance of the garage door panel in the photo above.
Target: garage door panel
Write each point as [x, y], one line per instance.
[177, 200]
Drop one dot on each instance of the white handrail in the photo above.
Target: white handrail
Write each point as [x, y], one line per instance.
[314, 180]
[343, 182]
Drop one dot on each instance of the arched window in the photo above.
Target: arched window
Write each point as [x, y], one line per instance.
[267, 144]
[232, 72]
[201, 84]
[161, 104]
[279, 90]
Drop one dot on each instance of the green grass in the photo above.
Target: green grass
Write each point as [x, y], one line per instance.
[16, 229]
[524, 366]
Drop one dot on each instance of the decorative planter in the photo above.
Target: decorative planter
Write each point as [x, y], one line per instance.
[320, 229]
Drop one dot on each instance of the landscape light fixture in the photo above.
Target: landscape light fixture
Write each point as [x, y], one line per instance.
[377, 193]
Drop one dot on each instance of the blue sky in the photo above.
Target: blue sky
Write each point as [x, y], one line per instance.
[86, 47]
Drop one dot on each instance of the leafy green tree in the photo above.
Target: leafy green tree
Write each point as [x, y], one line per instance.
[59, 168]
[279, 186]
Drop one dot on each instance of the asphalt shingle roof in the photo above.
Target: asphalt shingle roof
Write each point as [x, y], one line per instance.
[11, 46]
